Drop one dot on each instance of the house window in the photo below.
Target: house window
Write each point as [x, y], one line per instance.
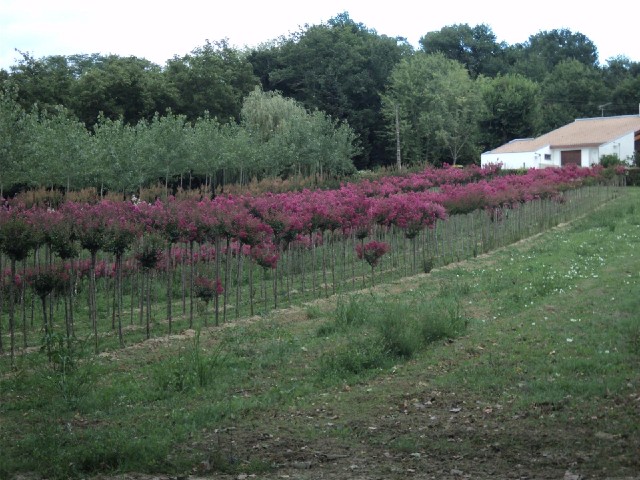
[547, 156]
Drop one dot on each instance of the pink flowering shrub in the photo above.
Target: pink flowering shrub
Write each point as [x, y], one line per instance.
[265, 255]
[207, 288]
[372, 251]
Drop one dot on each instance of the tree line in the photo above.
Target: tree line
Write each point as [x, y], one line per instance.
[275, 137]
[460, 93]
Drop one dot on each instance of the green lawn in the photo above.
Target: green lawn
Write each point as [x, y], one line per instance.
[520, 363]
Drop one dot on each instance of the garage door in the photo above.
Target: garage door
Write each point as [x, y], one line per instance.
[571, 157]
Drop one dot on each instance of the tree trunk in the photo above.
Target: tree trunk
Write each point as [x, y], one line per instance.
[1, 298]
[217, 298]
[47, 330]
[118, 294]
[191, 277]
[398, 156]
[147, 274]
[12, 312]
[227, 273]
[238, 280]
[169, 286]
[93, 311]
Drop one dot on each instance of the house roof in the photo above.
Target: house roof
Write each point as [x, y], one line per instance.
[584, 132]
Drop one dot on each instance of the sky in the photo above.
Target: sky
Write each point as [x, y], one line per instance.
[158, 30]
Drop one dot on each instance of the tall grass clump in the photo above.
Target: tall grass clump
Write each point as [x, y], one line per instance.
[190, 370]
[354, 358]
[407, 328]
[351, 311]
[379, 330]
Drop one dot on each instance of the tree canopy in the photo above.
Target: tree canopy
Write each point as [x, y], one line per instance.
[341, 68]
[336, 85]
[438, 108]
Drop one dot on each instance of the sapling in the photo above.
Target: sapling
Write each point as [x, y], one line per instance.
[372, 252]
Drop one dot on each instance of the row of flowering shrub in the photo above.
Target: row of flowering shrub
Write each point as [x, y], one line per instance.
[260, 230]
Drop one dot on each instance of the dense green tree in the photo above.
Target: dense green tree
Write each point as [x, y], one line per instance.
[15, 127]
[213, 78]
[622, 81]
[542, 52]
[624, 98]
[512, 109]
[58, 150]
[264, 114]
[204, 143]
[163, 148]
[341, 68]
[558, 45]
[116, 158]
[46, 82]
[438, 106]
[290, 140]
[475, 47]
[129, 88]
[571, 90]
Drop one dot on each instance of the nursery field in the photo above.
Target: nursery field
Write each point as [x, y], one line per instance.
[118, 272]
[519, 361]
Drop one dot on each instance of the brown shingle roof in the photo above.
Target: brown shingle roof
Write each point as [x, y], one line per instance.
[585, 132]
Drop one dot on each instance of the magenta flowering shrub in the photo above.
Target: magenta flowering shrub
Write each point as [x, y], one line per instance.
[410, 212]
[6, 280]
[18, 234]
[308, 237]
[372, 251]
[149, 252]
[268, 222]
[265, 255]
[46, 280]
[207, 288]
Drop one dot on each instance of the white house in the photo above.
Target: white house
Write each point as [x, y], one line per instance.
[582, 142]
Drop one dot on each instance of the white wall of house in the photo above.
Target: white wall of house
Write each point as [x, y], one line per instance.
[535, 159]
[545, 158]
[623, 147]
[509, 160]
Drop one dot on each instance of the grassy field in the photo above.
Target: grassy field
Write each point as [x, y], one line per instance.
[523, 363]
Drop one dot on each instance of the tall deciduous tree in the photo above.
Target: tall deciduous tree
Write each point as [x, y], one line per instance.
[129, 88]
[438, 106]
[116, 155]
[341, 68]
[558, 45]
[15, 128]
[164, 146]
[290, 139]
[622, 80]
[513, 109]
[542, 52]
[58, 150]
[475, 47]
[572, 90]
[46, 82]
[213, 78]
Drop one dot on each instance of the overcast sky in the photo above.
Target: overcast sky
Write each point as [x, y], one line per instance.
[158, 30]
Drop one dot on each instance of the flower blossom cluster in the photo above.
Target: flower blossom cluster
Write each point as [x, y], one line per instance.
[261, 226]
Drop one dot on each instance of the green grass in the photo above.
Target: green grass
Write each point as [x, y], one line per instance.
[527, 356]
